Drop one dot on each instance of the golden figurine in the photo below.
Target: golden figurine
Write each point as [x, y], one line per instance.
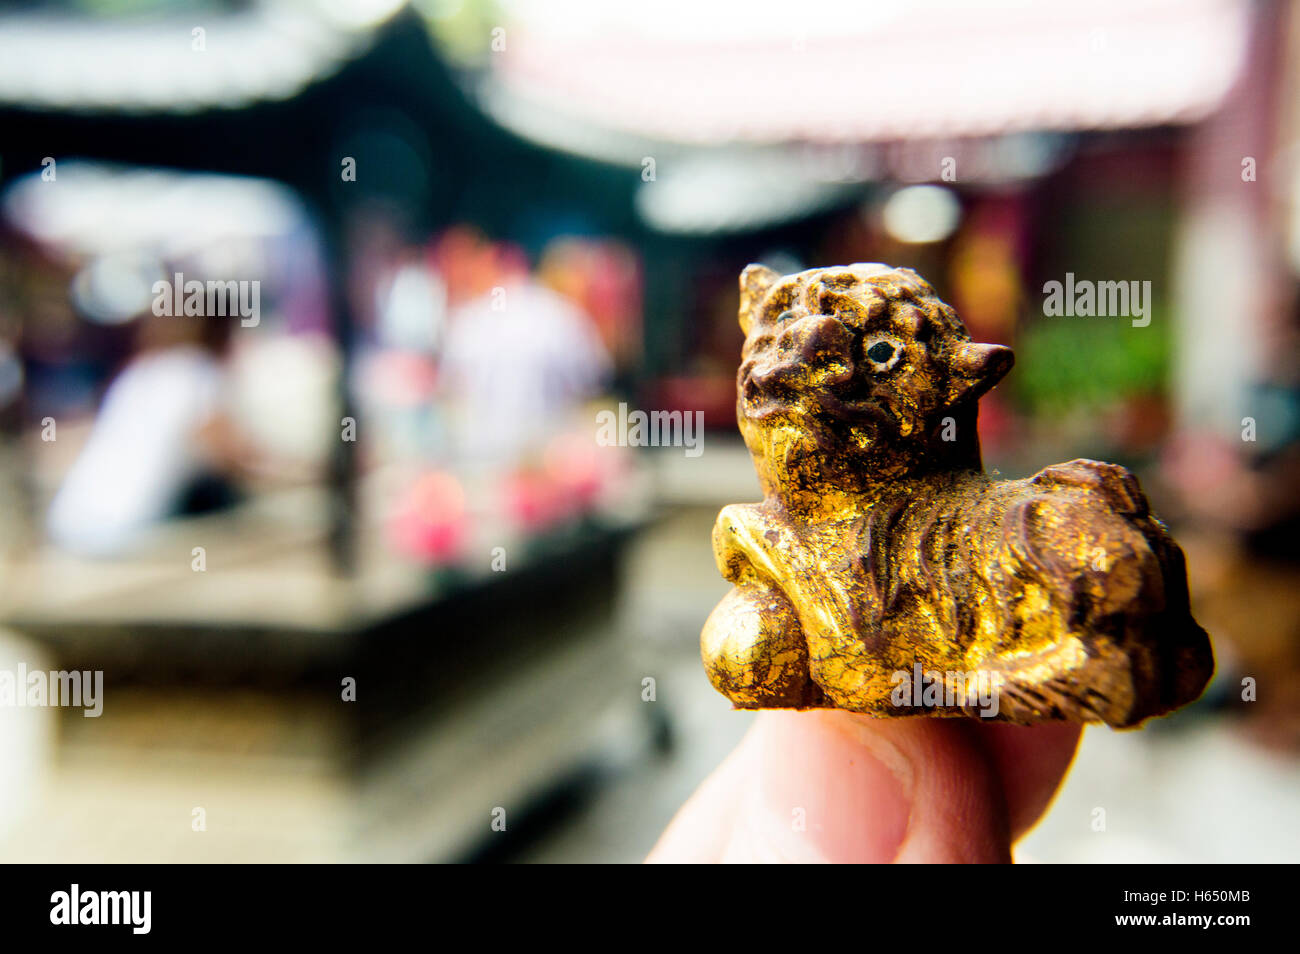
[885, 572]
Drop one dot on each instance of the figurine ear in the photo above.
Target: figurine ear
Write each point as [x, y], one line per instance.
[755, 280]
[974, 368]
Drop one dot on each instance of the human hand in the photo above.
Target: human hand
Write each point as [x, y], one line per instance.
[826, 785]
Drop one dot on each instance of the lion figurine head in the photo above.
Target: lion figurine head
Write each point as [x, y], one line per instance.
[853, 375]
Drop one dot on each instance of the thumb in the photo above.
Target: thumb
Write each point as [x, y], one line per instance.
[835, 786]
[844, 787]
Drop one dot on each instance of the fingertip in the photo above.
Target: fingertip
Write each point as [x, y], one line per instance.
[835, 786]
[826, 789]
[846, 787]
[1030, 762]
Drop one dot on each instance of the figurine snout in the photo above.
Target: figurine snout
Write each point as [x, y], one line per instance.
[815, 350]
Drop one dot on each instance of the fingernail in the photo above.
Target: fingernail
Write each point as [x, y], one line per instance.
[826, 791]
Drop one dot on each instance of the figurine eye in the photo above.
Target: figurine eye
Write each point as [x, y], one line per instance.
[882, 352]
[785, 316]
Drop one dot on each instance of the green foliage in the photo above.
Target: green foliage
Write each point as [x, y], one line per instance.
[1064, 364]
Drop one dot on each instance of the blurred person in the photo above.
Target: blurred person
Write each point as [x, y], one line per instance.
[160, 443]
[517, 362]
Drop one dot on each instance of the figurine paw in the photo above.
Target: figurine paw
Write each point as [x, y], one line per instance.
[1114, 484]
